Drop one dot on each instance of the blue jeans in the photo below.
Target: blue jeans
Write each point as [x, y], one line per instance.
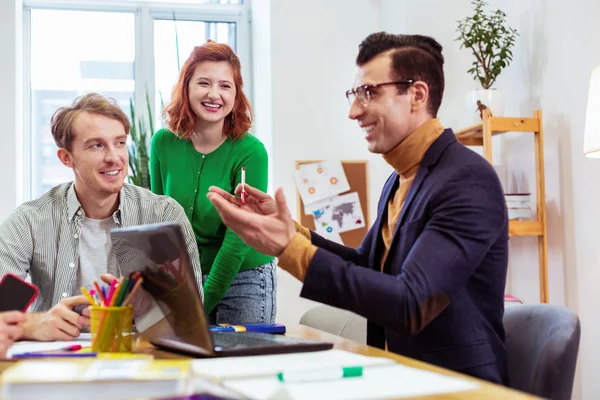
[250, 298]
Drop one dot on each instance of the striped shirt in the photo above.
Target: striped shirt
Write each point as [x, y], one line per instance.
[41, 237]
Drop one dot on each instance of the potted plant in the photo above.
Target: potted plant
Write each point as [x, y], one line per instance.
[141, 134]
[490, 40]
[139, 154]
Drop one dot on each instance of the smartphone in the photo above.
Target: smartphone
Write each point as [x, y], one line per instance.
[16, 294]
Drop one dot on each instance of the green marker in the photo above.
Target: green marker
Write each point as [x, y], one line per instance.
[320, 374]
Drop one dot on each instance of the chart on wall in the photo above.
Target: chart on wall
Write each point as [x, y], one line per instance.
[319, 181]
[341, 214]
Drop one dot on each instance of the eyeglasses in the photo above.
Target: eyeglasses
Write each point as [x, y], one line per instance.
[364, 92]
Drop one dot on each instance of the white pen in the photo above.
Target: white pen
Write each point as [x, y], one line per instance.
[320, 374]
[243, 196]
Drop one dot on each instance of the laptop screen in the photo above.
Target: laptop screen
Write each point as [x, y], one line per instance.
[169, 307]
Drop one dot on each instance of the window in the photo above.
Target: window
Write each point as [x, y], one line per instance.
[122, 50]
[65, 65]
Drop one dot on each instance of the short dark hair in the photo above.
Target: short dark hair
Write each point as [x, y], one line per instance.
[413, 57]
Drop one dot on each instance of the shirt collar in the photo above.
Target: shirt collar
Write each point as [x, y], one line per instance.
[74, 207]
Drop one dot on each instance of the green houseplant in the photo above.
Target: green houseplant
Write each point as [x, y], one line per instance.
[139, 155]
[141, 134]
[489, 38]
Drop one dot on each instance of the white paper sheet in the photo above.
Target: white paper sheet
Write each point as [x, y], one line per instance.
[309, 209]
[321, 180]
[241, 367]
[334, 236]
[377, 382]
[114, 369]
[342, 214]
[31, 346]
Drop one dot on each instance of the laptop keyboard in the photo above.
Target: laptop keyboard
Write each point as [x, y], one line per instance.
[228, 340]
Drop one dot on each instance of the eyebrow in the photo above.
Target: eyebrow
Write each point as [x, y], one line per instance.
[94, 139]
[208, 79]
[99, 139]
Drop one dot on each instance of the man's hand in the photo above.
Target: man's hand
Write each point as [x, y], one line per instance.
[108, 278]
[11, 328]
[256, 201]
[61, 322]
[270, 234]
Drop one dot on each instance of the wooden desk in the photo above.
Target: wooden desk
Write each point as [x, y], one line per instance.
[485, 391]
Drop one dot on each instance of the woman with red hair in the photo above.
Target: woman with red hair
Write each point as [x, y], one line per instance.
[207, 143]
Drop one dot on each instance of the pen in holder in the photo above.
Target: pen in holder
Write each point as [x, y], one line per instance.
[112, 329]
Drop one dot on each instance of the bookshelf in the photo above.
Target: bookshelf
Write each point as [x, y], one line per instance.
[481, 135]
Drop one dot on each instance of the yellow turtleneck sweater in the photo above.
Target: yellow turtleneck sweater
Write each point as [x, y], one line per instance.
[405, 159]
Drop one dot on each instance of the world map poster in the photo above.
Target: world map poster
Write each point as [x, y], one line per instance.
[341, 214]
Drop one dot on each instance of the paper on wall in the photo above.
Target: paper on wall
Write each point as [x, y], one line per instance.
[332, 235]
[342, 214]
[309, 209]
[318, 181]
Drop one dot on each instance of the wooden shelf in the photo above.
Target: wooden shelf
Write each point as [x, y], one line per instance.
[481, 135]
[473, 135]
[525, 228]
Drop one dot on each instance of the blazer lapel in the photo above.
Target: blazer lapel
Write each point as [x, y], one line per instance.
[388, 190]
[414, 188]
[429, 160]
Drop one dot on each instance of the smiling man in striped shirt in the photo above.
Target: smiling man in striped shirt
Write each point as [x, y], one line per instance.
[62, 239]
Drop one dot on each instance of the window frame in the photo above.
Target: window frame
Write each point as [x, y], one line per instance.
[145, 13]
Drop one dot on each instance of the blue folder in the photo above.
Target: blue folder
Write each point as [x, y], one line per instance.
[251, 327]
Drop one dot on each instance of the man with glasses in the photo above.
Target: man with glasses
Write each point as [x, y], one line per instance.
[434, 263]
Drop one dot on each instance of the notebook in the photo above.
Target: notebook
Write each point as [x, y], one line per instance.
[392, 381]
[382, 377]
[98, 379]
[270, 365]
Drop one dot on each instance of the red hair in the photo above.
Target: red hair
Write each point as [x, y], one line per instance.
[180, 117]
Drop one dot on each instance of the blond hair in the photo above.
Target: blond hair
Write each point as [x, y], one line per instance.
[94, 103]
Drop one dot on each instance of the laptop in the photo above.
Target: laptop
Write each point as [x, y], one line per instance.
[169, 312]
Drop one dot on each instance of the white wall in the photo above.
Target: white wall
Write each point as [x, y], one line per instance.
[261, 77]
[522, 84]
[313, 51]
[10, 105]
[313, 47]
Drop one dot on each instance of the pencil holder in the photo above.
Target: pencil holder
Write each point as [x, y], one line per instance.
[112, 329]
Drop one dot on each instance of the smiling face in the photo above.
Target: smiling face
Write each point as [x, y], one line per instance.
[389, 116]
[212, 92]
[98, 155]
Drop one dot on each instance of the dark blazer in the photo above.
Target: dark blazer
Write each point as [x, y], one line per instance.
[441, 296]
